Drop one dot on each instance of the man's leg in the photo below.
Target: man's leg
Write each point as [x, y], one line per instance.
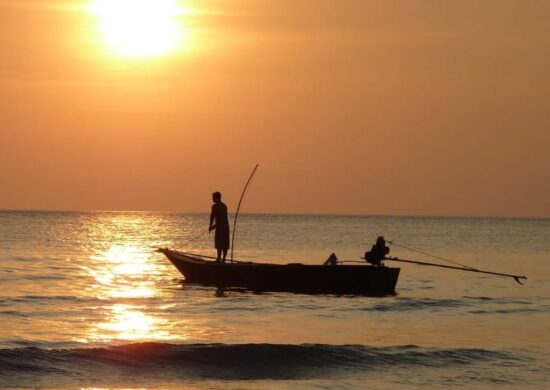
[219, 257]
[224, 254]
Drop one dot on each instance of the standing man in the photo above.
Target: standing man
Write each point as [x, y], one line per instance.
[220, 222]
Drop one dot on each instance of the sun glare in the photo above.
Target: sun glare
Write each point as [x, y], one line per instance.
[140, 28]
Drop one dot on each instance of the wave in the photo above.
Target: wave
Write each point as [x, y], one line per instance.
[480, 305]
[400, 304]
[233, 361]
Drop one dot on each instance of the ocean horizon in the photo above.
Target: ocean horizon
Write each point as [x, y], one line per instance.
[232, 213]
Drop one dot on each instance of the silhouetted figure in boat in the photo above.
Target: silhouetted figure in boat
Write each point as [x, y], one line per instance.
[378, 252]
[332, 260]
[220, 222]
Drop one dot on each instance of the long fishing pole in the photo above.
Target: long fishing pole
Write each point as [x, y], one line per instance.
[430, 255]
[194, 237]
[186, 242]
[238, 208]
[516, 277]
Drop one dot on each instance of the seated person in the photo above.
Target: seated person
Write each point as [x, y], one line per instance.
[332, 260]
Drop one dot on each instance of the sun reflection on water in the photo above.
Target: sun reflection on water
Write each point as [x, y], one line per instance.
[124, 272]
[125, 277]
[128, 322]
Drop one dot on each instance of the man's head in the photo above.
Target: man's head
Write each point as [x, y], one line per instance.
[216, 196]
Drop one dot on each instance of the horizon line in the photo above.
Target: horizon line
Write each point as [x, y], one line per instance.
[281, 213]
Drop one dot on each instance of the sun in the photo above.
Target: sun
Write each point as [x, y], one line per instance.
[140, 28]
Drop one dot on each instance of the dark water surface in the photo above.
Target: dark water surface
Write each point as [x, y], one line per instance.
[85, 302]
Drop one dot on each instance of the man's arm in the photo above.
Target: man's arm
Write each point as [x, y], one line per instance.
[212, 214]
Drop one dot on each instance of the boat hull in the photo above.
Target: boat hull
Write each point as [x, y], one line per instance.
[298, 278]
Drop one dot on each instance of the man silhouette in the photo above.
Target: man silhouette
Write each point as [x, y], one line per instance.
[219, 222]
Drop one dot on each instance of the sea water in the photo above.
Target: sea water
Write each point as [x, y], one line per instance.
[86, 302]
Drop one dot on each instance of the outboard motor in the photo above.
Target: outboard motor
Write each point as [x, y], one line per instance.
[378, 252]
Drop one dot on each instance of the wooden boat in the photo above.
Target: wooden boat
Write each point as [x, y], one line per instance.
[360, 279]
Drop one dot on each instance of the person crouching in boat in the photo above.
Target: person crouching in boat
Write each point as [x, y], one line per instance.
[219, 222]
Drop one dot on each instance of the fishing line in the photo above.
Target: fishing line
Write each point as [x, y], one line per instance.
[188, 241]
[434, 256]
[195, 237]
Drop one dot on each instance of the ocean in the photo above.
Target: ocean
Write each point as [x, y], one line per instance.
[87, 302]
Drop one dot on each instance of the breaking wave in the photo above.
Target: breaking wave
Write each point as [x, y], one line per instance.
[233, 361]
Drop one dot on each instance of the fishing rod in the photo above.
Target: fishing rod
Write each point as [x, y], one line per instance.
[195, 237]
[186, 242]
[457, 265]
[430, 255]
[516, 277]
[238, 208]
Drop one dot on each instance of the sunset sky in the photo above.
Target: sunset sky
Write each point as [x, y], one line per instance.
[354, 107]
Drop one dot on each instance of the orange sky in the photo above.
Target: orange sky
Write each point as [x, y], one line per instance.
[356, 107]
